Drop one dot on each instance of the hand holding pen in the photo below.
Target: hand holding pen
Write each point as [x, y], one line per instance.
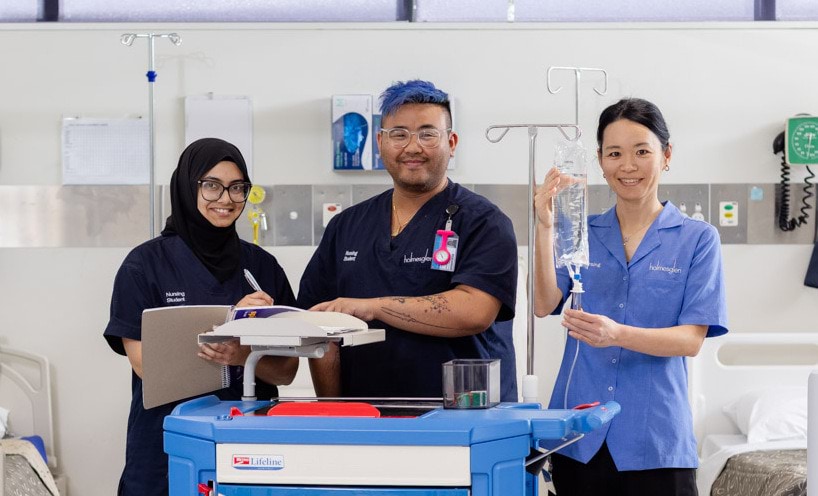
[256, 299]
[252, 280]
[231, 352]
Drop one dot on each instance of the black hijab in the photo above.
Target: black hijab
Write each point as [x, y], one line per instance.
[217, 247]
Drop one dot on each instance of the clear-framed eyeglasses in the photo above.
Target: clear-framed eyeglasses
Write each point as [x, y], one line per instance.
[400, 137]
[213, 190]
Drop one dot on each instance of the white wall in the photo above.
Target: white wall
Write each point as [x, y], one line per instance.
[725, 90]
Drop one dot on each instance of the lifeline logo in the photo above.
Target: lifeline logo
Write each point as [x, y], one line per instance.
[413, 259]
[175, 296]
[350, 256]
[671, 270]
[258, 462]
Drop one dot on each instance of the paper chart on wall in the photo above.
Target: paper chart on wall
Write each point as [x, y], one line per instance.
[105, 151]
[218, 116]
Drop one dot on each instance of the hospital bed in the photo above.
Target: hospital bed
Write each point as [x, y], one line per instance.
[749, 398]
[27, 458]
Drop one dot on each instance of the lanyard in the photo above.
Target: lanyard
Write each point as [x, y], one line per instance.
[451, 210]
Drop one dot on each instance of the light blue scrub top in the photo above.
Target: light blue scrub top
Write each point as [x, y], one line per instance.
[674, 278]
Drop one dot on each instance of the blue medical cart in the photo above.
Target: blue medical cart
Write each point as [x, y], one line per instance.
[235, 449]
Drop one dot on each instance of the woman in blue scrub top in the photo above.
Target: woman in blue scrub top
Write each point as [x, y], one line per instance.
[197, 260]
[654, 289]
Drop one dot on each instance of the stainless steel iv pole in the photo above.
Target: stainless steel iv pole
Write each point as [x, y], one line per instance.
[577, 75]
[128, 39]
[530, 385]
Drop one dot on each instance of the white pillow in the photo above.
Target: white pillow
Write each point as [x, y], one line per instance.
[771, 414]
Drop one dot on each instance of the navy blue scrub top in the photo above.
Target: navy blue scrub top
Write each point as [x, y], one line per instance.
[164, 272]
[358, 258]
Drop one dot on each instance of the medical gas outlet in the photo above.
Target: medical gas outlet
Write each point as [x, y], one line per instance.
[697, 211]
[257, 216]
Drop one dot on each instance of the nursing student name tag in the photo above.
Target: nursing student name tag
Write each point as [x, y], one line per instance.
[444, 252]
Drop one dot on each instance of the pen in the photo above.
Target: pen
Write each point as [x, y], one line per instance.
[251, 280]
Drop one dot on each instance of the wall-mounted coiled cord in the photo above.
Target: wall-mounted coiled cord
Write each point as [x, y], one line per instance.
[785, 223]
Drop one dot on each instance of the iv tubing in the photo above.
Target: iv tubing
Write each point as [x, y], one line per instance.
[575, 290]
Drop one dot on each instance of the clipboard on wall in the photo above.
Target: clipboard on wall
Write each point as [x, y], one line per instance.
[220, 116]
[171, 368]
[105, 151]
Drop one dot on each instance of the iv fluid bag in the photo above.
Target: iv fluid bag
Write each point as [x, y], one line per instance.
[570, 214]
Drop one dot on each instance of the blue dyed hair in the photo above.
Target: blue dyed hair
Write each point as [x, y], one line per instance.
[415, 91]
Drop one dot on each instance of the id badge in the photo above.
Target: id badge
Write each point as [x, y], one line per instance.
[444, 253]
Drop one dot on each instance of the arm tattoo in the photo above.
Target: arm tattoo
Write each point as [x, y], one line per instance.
[408, 318]
[435, 304]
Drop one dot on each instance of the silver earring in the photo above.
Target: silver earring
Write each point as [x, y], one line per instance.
[667, 167]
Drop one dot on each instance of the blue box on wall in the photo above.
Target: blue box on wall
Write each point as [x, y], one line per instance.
[352, 132]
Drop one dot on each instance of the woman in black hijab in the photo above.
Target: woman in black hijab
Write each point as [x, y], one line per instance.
[199, 259]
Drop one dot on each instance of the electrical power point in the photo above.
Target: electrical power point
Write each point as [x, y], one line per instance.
[329, 210]
[728, 213]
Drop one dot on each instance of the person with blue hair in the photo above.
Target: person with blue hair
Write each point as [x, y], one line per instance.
[428, 260]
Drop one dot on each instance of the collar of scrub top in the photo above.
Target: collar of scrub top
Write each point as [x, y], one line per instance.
[611, 238]
[442, 197]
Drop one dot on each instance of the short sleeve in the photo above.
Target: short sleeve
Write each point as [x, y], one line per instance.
[705, 300]
[130, 297]
[563, 283]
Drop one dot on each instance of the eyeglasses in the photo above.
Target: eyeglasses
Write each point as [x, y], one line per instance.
[399, 137]
[213, 191]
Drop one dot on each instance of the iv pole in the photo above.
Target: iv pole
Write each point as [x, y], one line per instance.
[530, 385]
[128, 39]
[530, 382]
[577, 72]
